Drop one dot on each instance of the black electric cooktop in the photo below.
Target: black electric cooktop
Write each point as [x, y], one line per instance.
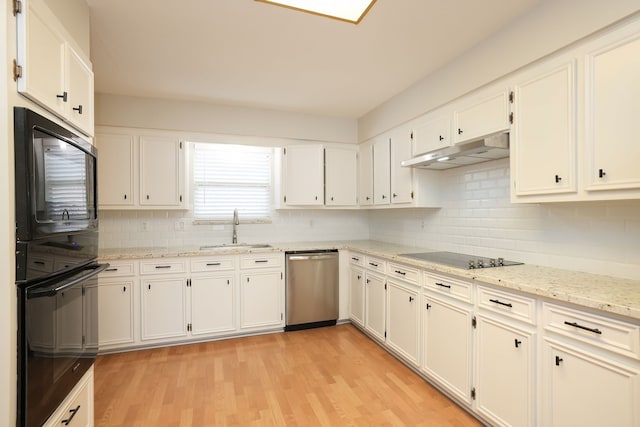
[464, 261]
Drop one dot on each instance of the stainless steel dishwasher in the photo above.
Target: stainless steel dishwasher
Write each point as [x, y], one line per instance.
[311, 289]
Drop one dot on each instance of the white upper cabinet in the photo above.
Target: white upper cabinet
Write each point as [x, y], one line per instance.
[381, 171]
[116, 171]
[365, 174]
[341, 177]
[54, 74]
[401, 177]
[613, 111]
[140, 172]
[161, 162]
[79, 83]
[431, 132]
[303, 167]
[484, 113]
[543, 140]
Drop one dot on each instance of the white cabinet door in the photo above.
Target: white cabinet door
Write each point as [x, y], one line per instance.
[504, 373]
[356, 295]
[613, 90]
[432, 132]
[341, 177]
[381, 171]
[41, 53]
[543, 147]
[581, 389]
[446, 344]
[261, 299]
[79, 83]
[116, 171]
[54, 75]
[161, 169]
[480, 115]
[403, 320]
[401, 178]
[212, 304]
[115, 315]
[375, 305]
[304, 175]
[163, 308]
[365, 174]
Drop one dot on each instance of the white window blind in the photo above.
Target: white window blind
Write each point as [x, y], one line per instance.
[228, 177]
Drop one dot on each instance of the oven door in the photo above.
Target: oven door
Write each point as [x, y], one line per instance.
[58, 334]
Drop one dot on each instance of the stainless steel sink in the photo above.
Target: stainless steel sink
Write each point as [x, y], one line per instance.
[241, 246]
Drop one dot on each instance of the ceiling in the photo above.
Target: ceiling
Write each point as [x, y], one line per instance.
[253, 54]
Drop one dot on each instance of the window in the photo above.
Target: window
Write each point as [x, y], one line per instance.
[228, 177]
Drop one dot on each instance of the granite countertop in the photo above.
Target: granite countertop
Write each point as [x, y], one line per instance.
[609, 294]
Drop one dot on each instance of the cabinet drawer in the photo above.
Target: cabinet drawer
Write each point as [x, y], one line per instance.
[609, 334]
[120, 268]
[163, 266]
[454, 288]
[508, 304]
[408, 274]
[375, 264]
[212, 264]
[268, 260]
[77, 409]
[356, 259]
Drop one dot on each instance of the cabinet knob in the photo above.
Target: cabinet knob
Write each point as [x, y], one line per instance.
[411, 299]
[601, 173]
[384, 197]
[63, 96]
[558, 178]
[428, 306]
[78, 109]
[558, 360]
[331, 198]
[395, 195]
[517, 342]
[459, 131]
[125, 197]
[147, 197]
[368, 198]
[441, 138]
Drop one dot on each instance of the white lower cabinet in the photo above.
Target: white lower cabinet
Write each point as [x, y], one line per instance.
[261, 299]
[504, 372]
[116, 312]
[582, 388]
[77, 408]
[375, 305]
[163, 314]
[446, 344]
[212, 304]
[356, 295]
[403, 320]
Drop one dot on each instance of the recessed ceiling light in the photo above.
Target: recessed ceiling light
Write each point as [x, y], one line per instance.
[345, 10]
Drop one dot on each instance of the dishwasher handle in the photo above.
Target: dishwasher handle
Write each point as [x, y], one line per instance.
[310, 257]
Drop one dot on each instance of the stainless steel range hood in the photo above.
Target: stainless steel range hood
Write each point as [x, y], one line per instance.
[490, 147]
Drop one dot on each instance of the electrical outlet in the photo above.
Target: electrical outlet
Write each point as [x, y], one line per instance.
[144, 226]
[178, 226]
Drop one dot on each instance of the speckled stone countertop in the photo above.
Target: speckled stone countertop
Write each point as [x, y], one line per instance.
[605, 293]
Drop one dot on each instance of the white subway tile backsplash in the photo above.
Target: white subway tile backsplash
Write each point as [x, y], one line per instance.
[477, 218]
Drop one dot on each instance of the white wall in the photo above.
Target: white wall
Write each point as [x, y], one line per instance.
[158, 228]
[192, 116]
[477, 218]
[551, 26]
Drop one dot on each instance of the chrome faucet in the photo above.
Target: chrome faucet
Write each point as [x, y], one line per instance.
[236, 222]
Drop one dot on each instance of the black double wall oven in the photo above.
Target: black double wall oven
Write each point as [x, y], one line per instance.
[56, 268]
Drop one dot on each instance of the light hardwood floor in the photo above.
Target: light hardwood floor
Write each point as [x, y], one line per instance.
[332, 376]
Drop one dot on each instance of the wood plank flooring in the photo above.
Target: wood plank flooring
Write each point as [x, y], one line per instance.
[332, 376]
